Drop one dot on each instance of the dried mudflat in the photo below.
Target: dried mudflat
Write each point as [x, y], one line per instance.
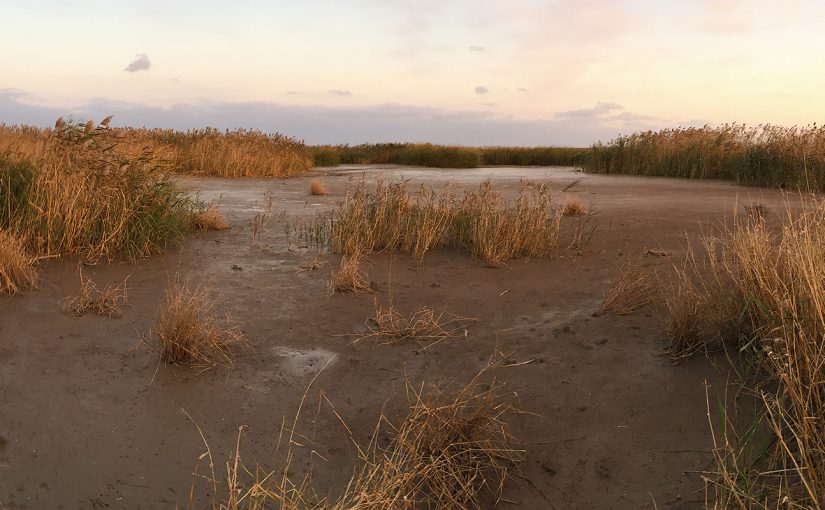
[89, 420]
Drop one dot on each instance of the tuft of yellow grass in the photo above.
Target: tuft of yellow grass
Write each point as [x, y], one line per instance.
[350, 277]
[317, 187]
[105, 302]
[210, 219]
[574, 206]
[16, 270]
[189, 332]
[632, 290]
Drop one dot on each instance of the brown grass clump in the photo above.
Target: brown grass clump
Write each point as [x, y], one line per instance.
[16, 270]
[350, 277]
[760, 291]
[317, 187]
[105, 302]
[210, 219]
[448, 451]
[424, 325]
[632, 290]
[573, 206]
[189, 332]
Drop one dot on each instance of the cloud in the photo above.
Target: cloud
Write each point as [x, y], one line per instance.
[339, 124]
[522, 89]
[477, 48]
[481, 89]
[340, 93]
[600, 110]
[141, 63]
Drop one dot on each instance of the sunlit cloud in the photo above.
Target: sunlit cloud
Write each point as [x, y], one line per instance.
[477, 48]
[141, 63]
[481, 89]
[340, 93]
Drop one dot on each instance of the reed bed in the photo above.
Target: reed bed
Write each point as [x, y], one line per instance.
[448, 452]
[84, 194]
[481, 222]
[443, 156]
[238, 153]
[189, 331]
[763, 155]
[760, 291]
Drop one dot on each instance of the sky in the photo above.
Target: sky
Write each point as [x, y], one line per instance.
[472, 72]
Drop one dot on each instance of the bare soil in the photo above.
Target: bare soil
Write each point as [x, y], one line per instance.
[88, 418]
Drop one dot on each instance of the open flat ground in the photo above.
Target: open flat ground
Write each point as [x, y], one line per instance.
[89, 420]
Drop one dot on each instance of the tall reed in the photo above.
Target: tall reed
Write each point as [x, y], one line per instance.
[764, 155]
[761, 291]
[481, 222]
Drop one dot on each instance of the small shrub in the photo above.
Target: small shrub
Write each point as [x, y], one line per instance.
[573, 206]
[210, 219]
[317, 187]
[425, 325]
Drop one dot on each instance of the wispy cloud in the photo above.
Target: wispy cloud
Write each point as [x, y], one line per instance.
[340, 93]
[141, 63]
[481, 89]
[477, 48]
[601, 109]
[522, 89]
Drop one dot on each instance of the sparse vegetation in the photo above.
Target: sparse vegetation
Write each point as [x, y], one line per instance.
[190, 332]
[760, 291]
[427, 325]
[765, 155]
[16, 270]
[105, 302]
[445, 453]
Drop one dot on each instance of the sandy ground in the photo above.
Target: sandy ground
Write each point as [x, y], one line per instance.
[89, 420]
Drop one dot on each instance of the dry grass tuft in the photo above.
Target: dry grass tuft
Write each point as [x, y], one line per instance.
[632, 290]
[210, 219]
[16, 270]
[447, 452]
[427, 325]
[350, 277]
[317, 187]
[760, 291]
[188, 332]
[573, 206]
[104, 302]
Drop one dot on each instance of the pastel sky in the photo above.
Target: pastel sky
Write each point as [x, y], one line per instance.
[476, 72]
